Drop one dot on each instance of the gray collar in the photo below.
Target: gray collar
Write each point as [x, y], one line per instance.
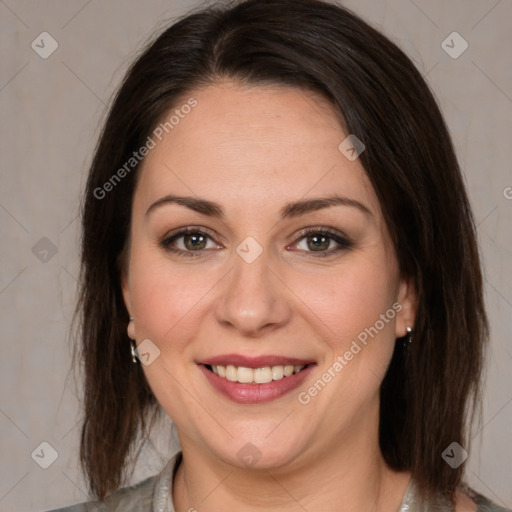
[162, 493]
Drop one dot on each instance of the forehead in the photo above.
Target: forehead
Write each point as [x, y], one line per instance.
[253, 146]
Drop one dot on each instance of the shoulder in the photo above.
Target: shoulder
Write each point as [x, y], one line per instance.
[467, 500]
[464, 502]
[150, 494]
[127, 499]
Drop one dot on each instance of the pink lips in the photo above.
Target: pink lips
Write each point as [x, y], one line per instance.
[253, 362]
[254, 393]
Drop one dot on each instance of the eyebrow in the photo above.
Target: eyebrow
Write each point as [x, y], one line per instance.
[289, 210]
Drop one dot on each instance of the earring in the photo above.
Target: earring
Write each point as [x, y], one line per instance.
[133, 347]
[133, 350]
[408, 339]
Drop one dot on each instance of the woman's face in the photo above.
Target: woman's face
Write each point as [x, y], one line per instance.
[287, 263]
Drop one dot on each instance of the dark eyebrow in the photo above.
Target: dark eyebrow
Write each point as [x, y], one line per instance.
[310, 205]
[290, 210]
[202, 206]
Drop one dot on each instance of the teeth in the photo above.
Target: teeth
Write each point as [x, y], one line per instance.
[231, 373]
[245, 375]
[277, 372]
[262, 375]
[256, 376]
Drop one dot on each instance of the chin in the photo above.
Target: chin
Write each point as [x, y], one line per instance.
[261, 452]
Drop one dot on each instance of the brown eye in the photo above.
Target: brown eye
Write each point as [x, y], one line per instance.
[322, 242]
[318, 242]
[195, 241]
[189, 242]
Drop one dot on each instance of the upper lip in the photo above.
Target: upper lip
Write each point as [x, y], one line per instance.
[253, 361]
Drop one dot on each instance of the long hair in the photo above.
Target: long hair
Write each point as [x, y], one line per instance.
[381, 98]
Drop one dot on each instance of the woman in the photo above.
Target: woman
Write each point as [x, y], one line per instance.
[278, 251]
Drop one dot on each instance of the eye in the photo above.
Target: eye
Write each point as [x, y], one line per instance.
[322, 241]
[189, 240]
[192, 241]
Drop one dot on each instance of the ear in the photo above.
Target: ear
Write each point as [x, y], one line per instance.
[408, 300]
[125, 289]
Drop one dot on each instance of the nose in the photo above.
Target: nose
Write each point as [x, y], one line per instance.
[253, 300]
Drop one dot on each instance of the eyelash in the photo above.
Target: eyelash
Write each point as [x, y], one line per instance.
[342, 241]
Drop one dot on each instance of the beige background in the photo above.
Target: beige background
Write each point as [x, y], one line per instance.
[51, 113]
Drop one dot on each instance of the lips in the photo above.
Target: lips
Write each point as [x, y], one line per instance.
[254, 362]
[262, 375]
[254, 380]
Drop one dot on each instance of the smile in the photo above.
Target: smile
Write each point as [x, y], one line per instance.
[252, 380]
[255, 376]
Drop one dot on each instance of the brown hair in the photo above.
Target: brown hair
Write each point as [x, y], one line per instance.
[381, 98]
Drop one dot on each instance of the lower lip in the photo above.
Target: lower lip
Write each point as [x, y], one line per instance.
[255, 393]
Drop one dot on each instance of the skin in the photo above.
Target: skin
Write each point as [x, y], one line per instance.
[252, 150]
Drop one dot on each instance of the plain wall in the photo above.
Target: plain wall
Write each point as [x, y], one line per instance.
[51, 115]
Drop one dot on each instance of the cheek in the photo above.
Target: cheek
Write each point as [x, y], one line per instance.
[352, 298]
[168, 303]
[354, 309]
[165, 297]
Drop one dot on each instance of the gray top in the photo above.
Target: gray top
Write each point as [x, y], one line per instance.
[153, 495]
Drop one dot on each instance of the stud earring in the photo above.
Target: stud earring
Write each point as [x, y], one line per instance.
[133, 350]
[133, 347]
[408, 339]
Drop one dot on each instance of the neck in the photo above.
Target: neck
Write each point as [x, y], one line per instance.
[351, 476]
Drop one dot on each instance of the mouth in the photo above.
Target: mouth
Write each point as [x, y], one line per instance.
[255, 380]
[262, 375]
